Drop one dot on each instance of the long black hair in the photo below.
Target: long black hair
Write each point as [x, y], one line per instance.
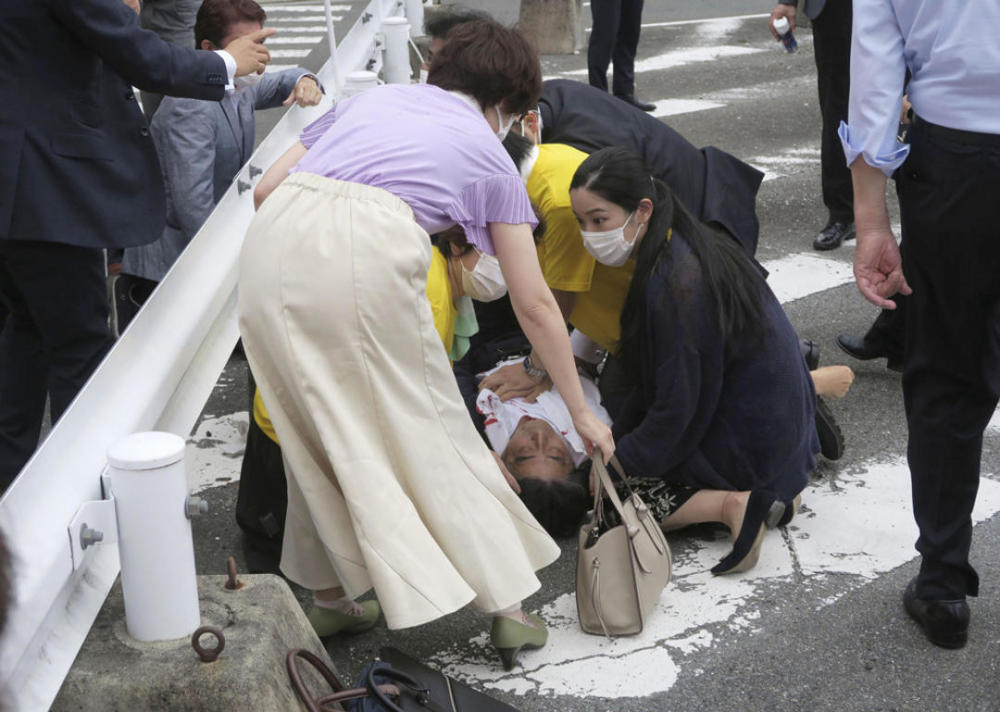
[731, 279]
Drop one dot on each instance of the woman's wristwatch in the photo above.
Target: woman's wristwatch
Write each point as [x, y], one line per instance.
[532, 370]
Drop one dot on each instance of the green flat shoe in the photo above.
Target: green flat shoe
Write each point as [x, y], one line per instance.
[327, 622]
[509, 637]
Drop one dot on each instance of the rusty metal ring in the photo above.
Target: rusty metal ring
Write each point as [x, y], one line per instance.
[208, 655]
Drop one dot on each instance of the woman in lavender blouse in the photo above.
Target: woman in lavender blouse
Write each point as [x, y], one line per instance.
[389, 485]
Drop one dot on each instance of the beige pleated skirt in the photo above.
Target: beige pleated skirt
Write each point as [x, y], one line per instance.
[389, 484]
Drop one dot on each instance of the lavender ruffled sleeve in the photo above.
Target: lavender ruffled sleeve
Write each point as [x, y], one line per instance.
[496, 198]
[314, 131]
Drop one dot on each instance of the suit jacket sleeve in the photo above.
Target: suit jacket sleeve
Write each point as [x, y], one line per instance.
[272, 89]
[111, 31]
[184, 131]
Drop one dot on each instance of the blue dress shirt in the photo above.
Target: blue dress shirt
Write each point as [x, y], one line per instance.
[953, 53]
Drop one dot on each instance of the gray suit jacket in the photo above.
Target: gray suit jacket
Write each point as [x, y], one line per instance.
[202, 145]
[812, 7]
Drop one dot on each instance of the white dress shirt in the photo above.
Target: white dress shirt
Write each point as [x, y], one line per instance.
[230, 66]
[501, 418]
[952, 49]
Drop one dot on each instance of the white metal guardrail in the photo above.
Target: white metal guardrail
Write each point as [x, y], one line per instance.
[157, 377]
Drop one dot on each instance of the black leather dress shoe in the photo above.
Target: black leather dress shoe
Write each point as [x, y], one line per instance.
[833, 236]
[945, 623]
[865, 350]
[644, 105]
[810, 352]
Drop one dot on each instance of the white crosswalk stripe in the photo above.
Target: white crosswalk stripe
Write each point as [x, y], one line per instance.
[301, 29]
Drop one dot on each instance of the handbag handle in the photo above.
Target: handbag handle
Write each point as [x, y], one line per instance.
[340, 693]
[421, 694]
[603, 482]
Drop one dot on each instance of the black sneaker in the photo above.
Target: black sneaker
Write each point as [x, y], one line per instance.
[833, 236]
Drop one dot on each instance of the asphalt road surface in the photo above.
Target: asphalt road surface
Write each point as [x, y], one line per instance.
[818, 624]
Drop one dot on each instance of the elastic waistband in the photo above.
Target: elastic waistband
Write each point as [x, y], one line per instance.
[974, 138]
[344, 189]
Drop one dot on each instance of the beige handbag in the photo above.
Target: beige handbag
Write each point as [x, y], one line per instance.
[623, 562]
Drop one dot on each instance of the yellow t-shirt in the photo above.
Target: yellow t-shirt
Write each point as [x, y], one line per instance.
[565, 262]
[442, 306]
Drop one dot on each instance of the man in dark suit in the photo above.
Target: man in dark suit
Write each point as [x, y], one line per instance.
[78, 173]
[831, 25]
[614, 38]
[715, 186]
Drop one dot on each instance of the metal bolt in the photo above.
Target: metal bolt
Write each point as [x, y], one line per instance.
[254, 171]
[242, 186]
[233, 583]
[89, 536]
[365, 18]
[195, 506]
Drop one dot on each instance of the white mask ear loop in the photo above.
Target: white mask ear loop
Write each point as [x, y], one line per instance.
[503, 130]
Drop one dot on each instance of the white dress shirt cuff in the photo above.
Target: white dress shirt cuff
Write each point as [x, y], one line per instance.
[885, 161]
[230, 67]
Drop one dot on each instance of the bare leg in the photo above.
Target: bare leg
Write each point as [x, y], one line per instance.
[832, 381]
[516, 613]
[336, 599]
[710, 506]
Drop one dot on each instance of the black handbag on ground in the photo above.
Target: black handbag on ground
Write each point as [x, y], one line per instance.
[393, 683]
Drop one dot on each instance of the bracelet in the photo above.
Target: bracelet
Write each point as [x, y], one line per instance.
[532, 370]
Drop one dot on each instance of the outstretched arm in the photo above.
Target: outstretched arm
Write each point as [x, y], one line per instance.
[277, 173]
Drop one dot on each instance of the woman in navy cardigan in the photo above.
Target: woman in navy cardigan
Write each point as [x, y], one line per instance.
[720, 422]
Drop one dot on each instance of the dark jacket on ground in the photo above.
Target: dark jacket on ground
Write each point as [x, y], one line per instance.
[712, 414]
[714, 185]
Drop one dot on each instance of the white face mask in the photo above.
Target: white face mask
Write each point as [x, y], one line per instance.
[610, 247]
[485, 282]
[247, 80]
[504, 128]
[423, 76]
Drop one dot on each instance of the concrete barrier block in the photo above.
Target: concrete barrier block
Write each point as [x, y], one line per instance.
[555, 26]
[261, 622]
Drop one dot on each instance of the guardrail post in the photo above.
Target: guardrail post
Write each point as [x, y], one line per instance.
[415, 15]
[396, 68]
[155, 544]
[357, 82]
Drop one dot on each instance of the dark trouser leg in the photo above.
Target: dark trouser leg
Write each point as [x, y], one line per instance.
[888, 331]
[55, 336]
[606, 15]
[626, 42]
[951, 377]
[832, 46]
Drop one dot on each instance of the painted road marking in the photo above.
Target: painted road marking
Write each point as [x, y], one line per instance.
[874, 534]
[799, 275]
[680, 57]
[319, 19]
[290, 53]
[293, 40]
[306, 28]
[271, 68]
[680, 23]
[214, 451]
[789, 162]
[672, 107]
[311, 7]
